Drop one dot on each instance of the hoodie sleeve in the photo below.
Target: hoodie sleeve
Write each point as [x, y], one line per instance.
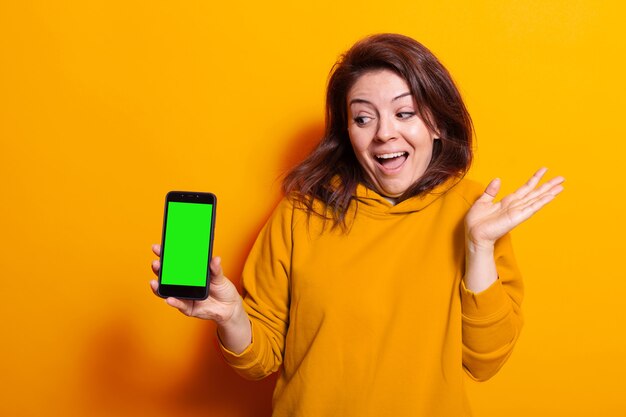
[266, 297]
[492, 319]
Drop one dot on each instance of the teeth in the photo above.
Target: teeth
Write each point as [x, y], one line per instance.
[390, 155]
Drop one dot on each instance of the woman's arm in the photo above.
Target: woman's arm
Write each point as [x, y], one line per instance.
[492, 290]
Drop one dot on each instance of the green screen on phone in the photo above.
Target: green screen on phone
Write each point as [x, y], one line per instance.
[186, 246]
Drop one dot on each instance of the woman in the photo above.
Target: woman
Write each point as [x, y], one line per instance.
[383, 275]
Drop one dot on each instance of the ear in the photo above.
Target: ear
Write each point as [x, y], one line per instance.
[434, 129]
[436, 132]
[429, 120]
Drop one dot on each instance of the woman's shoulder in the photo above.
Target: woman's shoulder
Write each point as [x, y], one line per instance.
[466, 190]
[293, 207]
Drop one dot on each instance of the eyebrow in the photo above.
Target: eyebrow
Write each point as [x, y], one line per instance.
[361, 100]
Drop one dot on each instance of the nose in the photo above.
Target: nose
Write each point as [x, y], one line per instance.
[386, 129]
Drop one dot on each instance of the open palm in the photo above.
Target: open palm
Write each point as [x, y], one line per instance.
[487, 220]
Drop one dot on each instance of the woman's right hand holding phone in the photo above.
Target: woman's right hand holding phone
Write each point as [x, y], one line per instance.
[224, 306]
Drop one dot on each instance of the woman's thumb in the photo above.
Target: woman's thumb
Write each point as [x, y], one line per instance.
[491, 191]
[217, 274]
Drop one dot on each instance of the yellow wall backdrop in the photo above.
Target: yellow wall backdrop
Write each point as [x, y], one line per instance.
[106, 105]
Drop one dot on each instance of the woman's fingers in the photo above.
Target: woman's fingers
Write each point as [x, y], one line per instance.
[551, 187]
[184, 306]
[530, 192]
[154, 286]
[220, 304]
[530, 185]
[489, 220]
[541, 199]
[532, 182]
[156, 266]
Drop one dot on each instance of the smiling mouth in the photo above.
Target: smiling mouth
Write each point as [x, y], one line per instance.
[391, 161]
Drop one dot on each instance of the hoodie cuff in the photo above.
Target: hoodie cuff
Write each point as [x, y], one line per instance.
[241, 360]
[485, 305]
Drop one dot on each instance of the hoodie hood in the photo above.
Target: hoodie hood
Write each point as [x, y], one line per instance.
[374, 203]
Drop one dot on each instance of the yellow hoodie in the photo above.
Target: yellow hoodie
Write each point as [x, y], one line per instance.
[376, 321]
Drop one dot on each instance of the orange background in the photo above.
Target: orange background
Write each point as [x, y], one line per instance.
[106, 105]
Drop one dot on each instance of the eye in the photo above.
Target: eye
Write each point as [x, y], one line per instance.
[405, 114]
[362, 120]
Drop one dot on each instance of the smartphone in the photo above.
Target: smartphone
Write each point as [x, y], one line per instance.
[187, 245]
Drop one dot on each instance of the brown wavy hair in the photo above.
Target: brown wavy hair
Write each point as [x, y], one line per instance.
[331, 172]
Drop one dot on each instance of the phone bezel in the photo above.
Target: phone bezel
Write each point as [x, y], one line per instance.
[187, 291]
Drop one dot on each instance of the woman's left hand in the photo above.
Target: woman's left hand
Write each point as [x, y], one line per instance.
[487, 221]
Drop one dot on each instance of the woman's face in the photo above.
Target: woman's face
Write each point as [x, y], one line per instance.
[390, 140]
